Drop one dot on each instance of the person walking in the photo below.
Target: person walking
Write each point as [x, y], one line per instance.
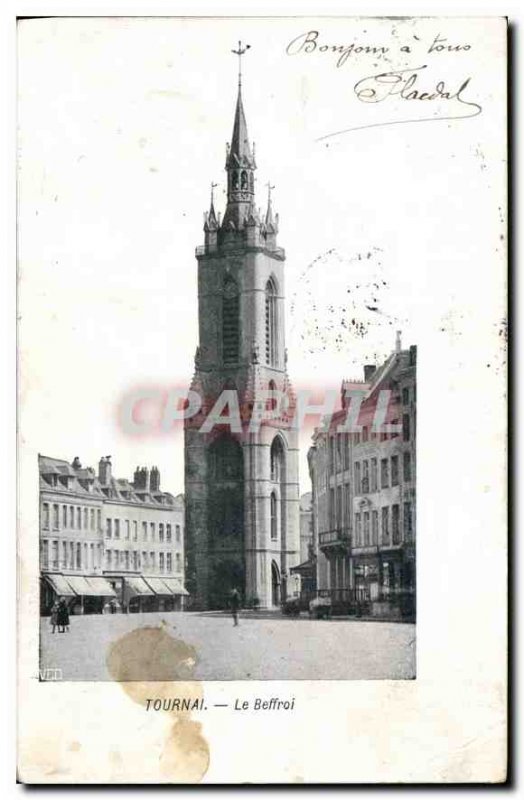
[235, 605]
[63, 616]
[54, 616]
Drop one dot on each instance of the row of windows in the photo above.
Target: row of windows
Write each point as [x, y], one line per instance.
[339, 452]
[366, 473]
[72, 517]
[134, 560]
[367, 526]
[70, 555]
[116, 529]
[78, 556]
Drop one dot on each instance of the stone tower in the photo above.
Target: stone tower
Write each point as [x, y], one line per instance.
[241, 485]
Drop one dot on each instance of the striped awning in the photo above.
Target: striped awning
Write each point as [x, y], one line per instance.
[60, 585]
[137, 586]
[158, 586]
[176, 586]
[101, 586]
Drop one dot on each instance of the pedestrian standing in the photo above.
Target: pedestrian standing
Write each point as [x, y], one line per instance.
[54, 616]
[235, 605]
[63, 616]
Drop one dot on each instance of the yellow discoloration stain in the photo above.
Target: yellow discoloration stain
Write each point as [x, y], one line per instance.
[146, 661]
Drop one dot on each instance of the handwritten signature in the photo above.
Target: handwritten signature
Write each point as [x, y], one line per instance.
[401, 83]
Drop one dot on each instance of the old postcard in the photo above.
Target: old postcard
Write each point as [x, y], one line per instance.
[262, 358]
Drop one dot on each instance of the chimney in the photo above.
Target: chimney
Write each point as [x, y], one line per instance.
[155, 479]
[76, 463]
[104, 470]
[141, 479]
[398, 343]
[369, 371]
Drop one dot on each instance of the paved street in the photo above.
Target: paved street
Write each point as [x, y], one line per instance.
[206, 646]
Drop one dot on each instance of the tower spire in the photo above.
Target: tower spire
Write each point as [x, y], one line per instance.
[240, 162]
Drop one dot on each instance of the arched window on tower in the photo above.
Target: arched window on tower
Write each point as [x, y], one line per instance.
[274, 516]
[234, 180]
[230, 322]
[243, 179]
[271, 324]
[277, 460]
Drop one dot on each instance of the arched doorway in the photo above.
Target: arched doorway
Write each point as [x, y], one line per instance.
[275, 585]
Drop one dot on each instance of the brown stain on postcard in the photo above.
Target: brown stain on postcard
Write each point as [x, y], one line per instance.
[146, 661]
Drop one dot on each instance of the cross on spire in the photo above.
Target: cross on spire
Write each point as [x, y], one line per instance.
[240, 52]
[269, 187]
[213, 187]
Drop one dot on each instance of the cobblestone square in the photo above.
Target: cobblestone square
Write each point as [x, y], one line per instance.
[262, 647]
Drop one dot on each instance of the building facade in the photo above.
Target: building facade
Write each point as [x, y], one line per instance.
[108, 543]
[241, 487]
[364, 497]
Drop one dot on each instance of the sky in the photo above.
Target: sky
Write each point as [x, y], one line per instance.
[123, 125]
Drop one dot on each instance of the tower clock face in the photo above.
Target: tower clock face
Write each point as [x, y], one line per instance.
[243, 197]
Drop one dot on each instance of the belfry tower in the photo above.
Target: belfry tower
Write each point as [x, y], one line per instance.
[241, 486]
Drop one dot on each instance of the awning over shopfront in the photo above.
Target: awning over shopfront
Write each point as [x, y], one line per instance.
[167, 586]
[101, 586]
[137, 586]
[175, 586]
[60, 585]
[82, 587]
[158, 586]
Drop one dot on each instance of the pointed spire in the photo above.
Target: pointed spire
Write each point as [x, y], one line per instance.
[211, 219]
[239, 152]
[269, 213]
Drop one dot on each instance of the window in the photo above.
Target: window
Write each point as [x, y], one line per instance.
[395, 518]
[274, 519]
[126, 559]
[374, 475]
[168, 532]
[128, 530]
[92, 555]
[109, 528]
[45, 515]
[99, 519]
[177, 530]
[92, 519]
[408, 522]
[271, 324]
[152, 530]
[405, 396]
[331, 454]
[331, 509]
[144, 531]
[348, 504]
[44, 553]
[365, 477]
[384, 473]
[177, 560]
[109, 564]
[394, 470]
[366, 528]
[56, 517]
[385, 525]
[358, 531]
[72, 555]
[55, 555]
[135, 531]
[230, 321]
[161, 562]
[346, 450]
[71, 517]
[374, 527]
[135, 560]
[86, 522]
[407, 467]
[79, 518]
[144, 560]
[405, 428]
[64, 516]
[339, 507]
[161, 532]
[277, 460]
[339, 452]
[169, 562]
[365, 433]
[117, 529]
[78, 556]
[357, 478]
[152, 560]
